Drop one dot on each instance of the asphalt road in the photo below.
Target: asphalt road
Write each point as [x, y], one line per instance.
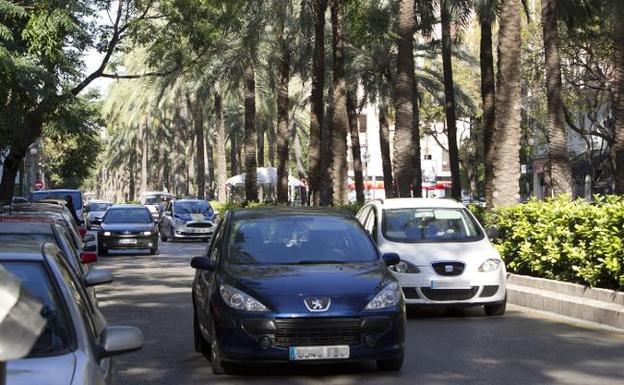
[465, 347]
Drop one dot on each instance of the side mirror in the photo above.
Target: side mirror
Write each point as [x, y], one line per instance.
[88, 257]
[89, 238]
[391, 259]
[97, 277]
[117, 340]
[202, 263]
[492, 233]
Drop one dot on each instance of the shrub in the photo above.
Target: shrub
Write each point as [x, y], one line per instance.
[572, 241]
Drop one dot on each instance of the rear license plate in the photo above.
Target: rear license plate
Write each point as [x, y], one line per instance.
[128, 241]
[450, 284]
[303, 353]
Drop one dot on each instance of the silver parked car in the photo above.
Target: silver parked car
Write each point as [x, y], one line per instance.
[95, 211]
[76, 346]
[187, 219]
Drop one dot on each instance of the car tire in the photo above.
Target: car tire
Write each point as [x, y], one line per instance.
[497, 309]
[154, 251]
[218, 365]
[201, 345]
[391, 365]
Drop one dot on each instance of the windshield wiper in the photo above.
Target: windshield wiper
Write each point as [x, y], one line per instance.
[317, 262]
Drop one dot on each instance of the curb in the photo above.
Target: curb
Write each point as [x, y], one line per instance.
[567, 299]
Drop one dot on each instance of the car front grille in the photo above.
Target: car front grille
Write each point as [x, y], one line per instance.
[317, 331]
[410, 293]
[449, 294]
[454, 268]
[203, 225]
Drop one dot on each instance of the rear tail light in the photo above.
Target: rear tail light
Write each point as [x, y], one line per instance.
[82, 232]
[88, 257]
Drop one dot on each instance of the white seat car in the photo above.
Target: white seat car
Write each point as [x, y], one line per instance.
[446, 256]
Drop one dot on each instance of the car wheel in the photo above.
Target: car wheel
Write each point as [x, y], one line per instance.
[201, 345]
[496, 309]
[391, 365]
[154, 251]
[218, 366]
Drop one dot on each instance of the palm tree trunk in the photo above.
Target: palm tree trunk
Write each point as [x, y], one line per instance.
[449, 93]
[233, 154]
[404, 93]
[283, 134]
[340, 120]
[200, 166]
[560, 171]
[316, 100]
[271, 136]
[143, 135]
[220, 146]
[618, 103]
[417, 165]
[488, 102]
[297, 149]
[384, 142]
[327, 187]
[10, 167]
[355, 149]
[211, 166]
[506, 138]
[251, 183]
[260, 142]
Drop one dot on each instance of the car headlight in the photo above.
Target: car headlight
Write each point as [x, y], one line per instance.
[489, 265]
[180, 222]
[238, 300]
[146, 233]
[405, 267]
[389, 296]
[106, 234]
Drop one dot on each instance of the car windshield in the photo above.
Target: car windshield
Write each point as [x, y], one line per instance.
[192, 207]
[127, 216]
[152, 200]
[76, 196]
[56, 337]
[301, 239]
[99, 206]
[414, 225]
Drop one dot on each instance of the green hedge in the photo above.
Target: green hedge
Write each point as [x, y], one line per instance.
[558, 239]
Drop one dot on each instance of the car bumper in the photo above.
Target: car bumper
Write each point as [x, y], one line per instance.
[379, 336]
[430, 289]
[193, 231]
[121, 243]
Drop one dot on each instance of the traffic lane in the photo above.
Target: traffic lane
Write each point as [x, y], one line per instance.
[153, 293]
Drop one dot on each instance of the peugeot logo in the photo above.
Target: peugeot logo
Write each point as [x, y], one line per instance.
[448, 268]
[317, 304]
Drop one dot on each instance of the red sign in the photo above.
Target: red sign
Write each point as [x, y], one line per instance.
[38, 185]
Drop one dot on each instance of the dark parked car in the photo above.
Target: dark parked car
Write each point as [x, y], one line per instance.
[77, 345]
[60, 194]
[293, 285]
[128, 227]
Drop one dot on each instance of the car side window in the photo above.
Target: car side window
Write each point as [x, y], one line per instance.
[216, 244]
[371, 223]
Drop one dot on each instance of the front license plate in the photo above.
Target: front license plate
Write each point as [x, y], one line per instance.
[128, 241]
[448, 284]
[303, 353]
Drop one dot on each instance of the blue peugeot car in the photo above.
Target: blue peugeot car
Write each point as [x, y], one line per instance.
[296, 285]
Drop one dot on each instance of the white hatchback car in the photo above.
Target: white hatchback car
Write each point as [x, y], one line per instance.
[446, 256]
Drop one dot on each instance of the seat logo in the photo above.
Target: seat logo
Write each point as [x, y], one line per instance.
[448, 268]
[317, 304]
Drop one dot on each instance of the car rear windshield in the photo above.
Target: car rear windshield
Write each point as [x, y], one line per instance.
[127, 216]
[303, 239]
[57, 335]
[192, 207]
[413, 225]
[76, 196]
[99, 206]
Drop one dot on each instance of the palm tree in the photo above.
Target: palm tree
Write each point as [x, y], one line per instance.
[404, 92]
[319, 7]
[486, 12]
[251, 184]
[340, 120]
[355, 148]
[560, 171]
[283, 134]
[384, 141]
[220, 140]
[506, 138]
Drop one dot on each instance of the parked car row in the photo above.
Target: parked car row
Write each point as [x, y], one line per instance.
[40, 245]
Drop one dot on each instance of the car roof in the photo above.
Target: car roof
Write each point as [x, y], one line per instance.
[26, 228]
[408, 203]
[99, 201]
[127, 206]
[34, 207]
[267, 212]
[26, 217]
[190, 200]
[35, 252]
[56, 190]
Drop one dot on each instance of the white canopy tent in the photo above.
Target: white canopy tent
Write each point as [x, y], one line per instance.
[267, 180]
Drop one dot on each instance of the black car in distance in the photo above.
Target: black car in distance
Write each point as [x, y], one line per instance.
[128, 227]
